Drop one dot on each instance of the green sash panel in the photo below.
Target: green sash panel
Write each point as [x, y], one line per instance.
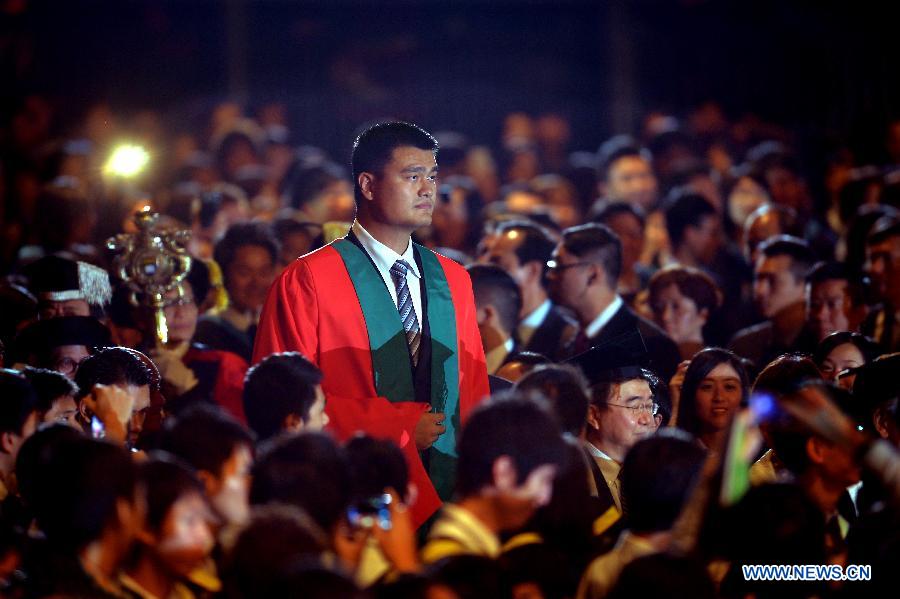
[390, 353]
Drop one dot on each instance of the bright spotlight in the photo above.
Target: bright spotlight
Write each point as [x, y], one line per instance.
[127, 161]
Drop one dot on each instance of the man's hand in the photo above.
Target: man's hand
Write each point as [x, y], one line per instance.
[429, 428]
[398, 544]
[675, 390]
[112, 405]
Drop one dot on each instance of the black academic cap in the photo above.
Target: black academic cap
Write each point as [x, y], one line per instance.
[43, 335]
[59, 279]
[623, 357]
[877, 382]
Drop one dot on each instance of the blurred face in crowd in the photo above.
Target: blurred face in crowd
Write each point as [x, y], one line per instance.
[51, 309]
[842, 357]
[317, 419]
[718, 397]
[249, 276]
[704, 240]
[404, 193]
[229, 492]
[500, 249]
[746, 196]
[12, 442]
[883, 265]
[679, 316]
[774, 286]
[626, 419]
[184, 540]
[631, 179]
[181, 314]
[631, 233]
[141, 396]
[63, 410]
[518, 502]
[451, 217]
[66, 358]
[571, 279]
[828, 307]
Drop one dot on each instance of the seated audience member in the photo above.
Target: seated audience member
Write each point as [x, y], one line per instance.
[498, 302]
[663, 575]
[89, 517]
[566, 389]
[456, 223]
[509, 453]
[66, 287]
[657, 477]
[583, 274]
[61, 343]
[192, 372]
[766, 222]
[625, 173]
[318, 192]
[779, 291]
[519, 364]
[522, 249]
[883, 266]
[295, 238]
[55, 396]
[627, 221]
[220, 450]
[282, 393]
[18, 420]
[174, 542]
[835, 300]
[682, 300]
[247, 255]
[715, 387]
[841, 352]
[119, 368]
[694, 227]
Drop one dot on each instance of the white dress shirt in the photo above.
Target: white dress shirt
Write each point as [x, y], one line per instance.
[384, 258]
[531, 322]
[593, 329]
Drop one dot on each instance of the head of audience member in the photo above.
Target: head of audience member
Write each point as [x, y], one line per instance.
[767, 221]
[566, 389]
[622, 411]
[175, 538]
[220, 450]
[784, 178]
[625, 173]
[18, 418]
[394, 175]
[520, 364]
[66, 287]
[309, 471]
[64, 215]
[657, 475]
[522, 249]
[248, 256]
[121, 367]
[585, 269]
[182, 307]
[61, 343]
[296, 237]
[456, 223]
[509, 453]
[283, 393]
[376, 467]
[664, 574]
[470, 576]
[883, 259]
[560, 198]
[779, 275]
[319, 191]
[694, 227]
[682, 299]
[746, 194]
[55, 396]
[875, 388]
[237, 148]
[715, 386]
[627, 221]
[784, 373]
[841, 352]
[835, 299]
[498, 302]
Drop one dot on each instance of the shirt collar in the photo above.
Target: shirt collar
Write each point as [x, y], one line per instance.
[383, 256]
[537, 316]
[603, 318]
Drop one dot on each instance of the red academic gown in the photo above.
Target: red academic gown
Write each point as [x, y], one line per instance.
[312, 308]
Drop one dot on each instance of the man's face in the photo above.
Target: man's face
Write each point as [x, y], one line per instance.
[66, 358]
[883, 265]
[570, 280]
[774, 286]
[230, 492]
[141, 395]
[631, 179]
[185, 539]
[181, 314]
[249, 277]
[500, 249]
[317, 419]
[621, 424]
[705, 239]
[14, 441]
[828, 307]
[50, 309]
[64, 410]
[519, 504]
[403, 194]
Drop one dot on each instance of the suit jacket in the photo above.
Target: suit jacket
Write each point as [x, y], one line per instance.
[553, 334]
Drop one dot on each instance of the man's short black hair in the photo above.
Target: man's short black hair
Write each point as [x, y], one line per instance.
[17, 401]
[375, 465]
[657, 475]
[616, 148]
[509, 425]
[49, 385]
[280, 385]
[685, 209]
[493, 285]
[598, 242]
[309, 471]
[603, 211]
[883, 229]
[243, 234]
[205, 437]
[111, 366]
[839, 271]
[565, 388]
[798, 250]
[373, 147]
[537, 244]
[165, 480]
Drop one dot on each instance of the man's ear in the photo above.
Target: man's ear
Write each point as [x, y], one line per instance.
[366, 182]
[815, 450]
[211, 484]
[593, 417]
[505, 475]
[484, 314]
[534, 271]
[880, 419]
[7, 442]
[292, 423]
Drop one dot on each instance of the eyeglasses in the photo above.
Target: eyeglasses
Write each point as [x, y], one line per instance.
[650, 408]
[557, 267]
[184, 300]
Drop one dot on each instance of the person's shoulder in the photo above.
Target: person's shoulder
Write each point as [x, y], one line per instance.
[753, 333]
[323, 257]
[455, 272]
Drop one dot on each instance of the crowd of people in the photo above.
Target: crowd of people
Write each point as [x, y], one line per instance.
[689, 342]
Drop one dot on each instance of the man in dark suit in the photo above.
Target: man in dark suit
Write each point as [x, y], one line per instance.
[522, 249]
[583, 274]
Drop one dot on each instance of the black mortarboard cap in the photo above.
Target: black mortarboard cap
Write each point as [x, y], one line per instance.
[621, 358]
[59, 279]
[44, 335]
[877, 382]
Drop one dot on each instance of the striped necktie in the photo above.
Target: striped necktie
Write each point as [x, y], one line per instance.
[406, 309]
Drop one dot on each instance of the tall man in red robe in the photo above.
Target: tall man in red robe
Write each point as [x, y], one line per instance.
[390, 324]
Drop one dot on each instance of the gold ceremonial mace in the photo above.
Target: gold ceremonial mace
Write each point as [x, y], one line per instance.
[152, 262]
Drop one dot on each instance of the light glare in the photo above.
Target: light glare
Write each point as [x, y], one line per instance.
[127, 161]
